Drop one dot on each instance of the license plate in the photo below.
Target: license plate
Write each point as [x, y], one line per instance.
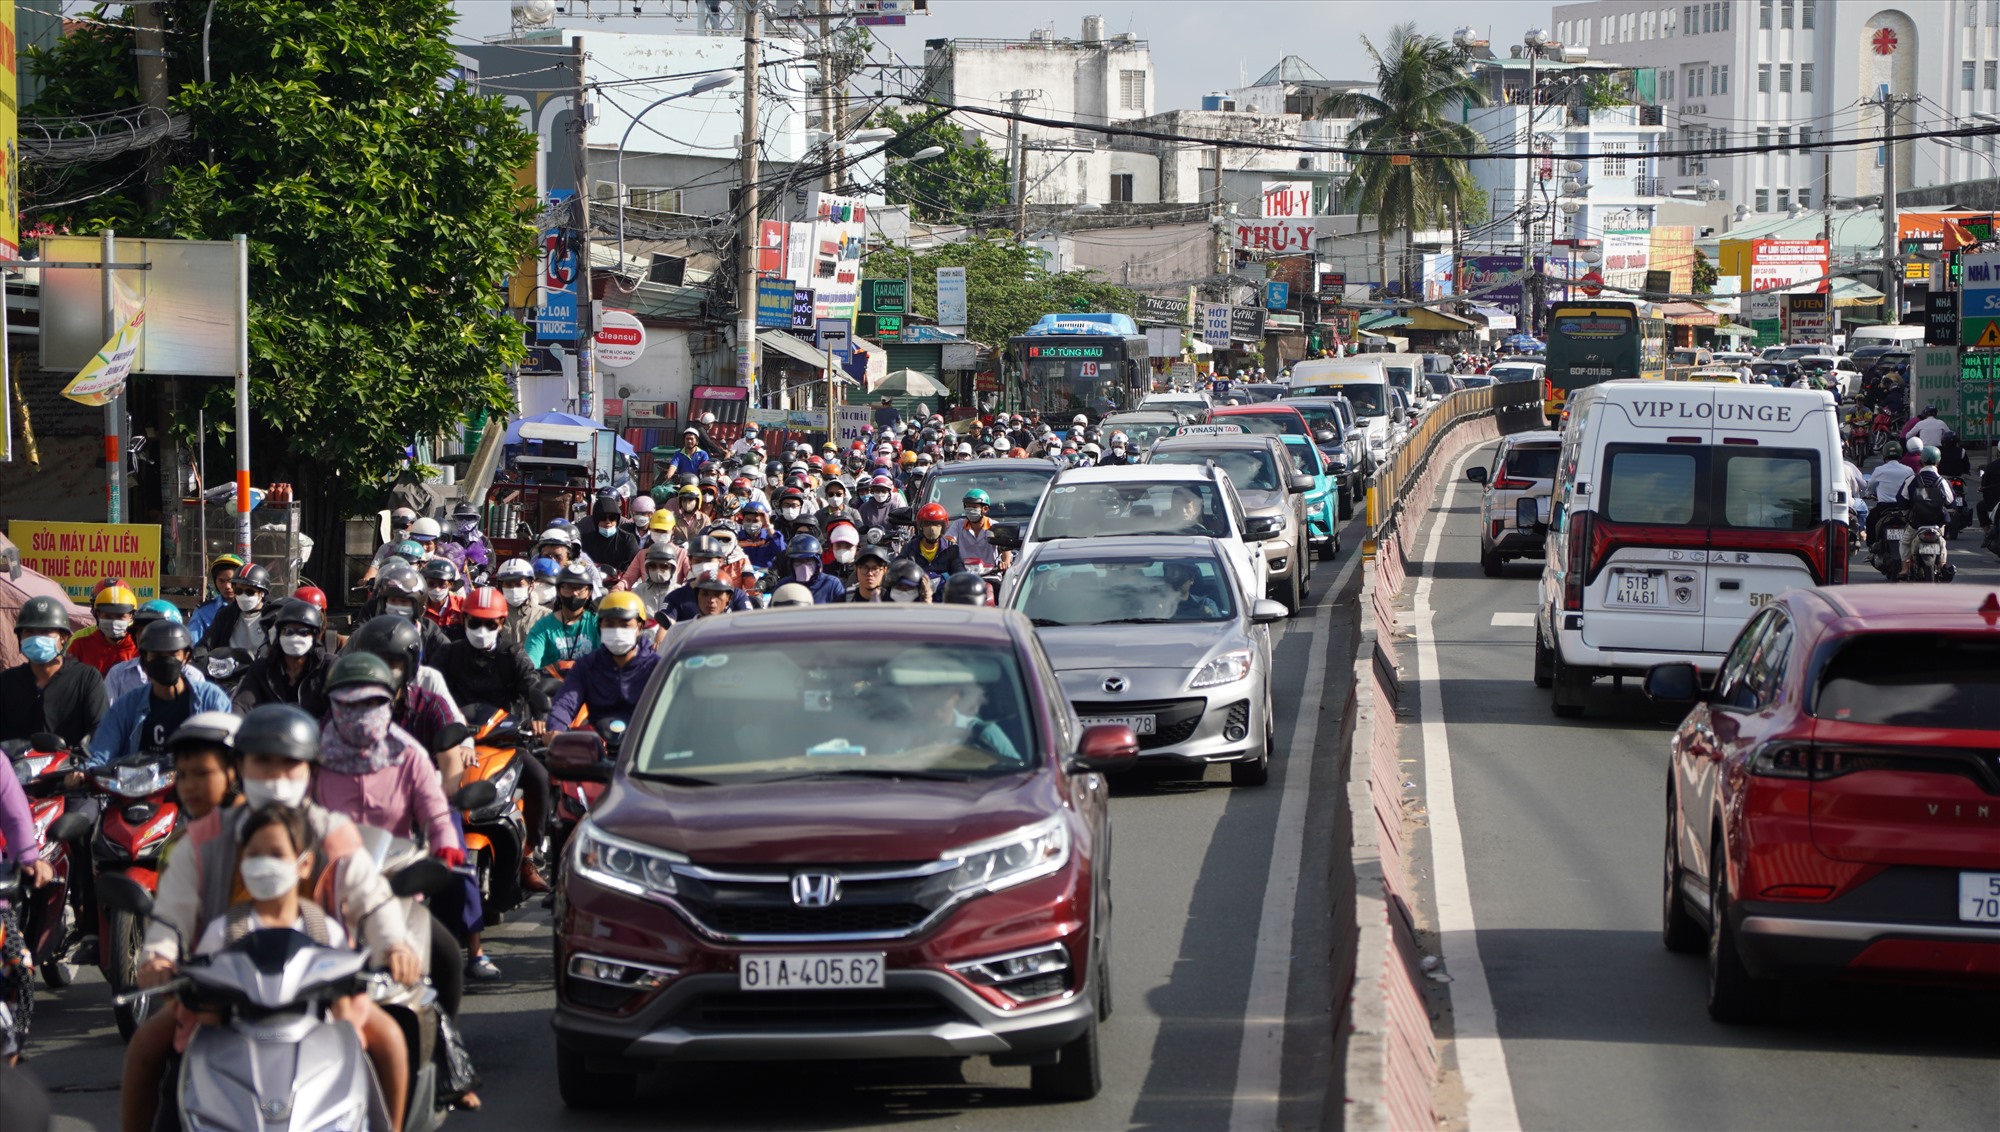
[1895, 534]
[1979, 897]
[1140, 724]
[842, 971]
[1636, 588]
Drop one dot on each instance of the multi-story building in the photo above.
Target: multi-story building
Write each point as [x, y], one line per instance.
[1778, 73]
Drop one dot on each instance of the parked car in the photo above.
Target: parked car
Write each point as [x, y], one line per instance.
[1514, 508]
[1155, 635]
[909, 860]
[1830, 802]
[1273, 492]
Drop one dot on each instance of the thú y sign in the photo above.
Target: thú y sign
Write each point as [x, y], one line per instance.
[1279, 236]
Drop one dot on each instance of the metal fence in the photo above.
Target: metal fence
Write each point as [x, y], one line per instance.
[1385, 492]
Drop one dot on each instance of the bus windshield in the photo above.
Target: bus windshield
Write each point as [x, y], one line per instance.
[1592, 342]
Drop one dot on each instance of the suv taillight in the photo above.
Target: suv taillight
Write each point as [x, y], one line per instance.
[1503, 482]
[1786, 760]
[1581, 528]
[1832, 549]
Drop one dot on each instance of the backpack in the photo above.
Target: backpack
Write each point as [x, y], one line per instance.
[1927, 499]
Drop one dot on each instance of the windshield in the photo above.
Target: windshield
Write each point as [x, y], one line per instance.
[1263, 424]
[840, 707]
[1322, 417]
[1514, 373]
[1014, 494]
[1368, 398]
[1935, 682]
[1250, 469]
[1117, 590]
[1081, 510]
[1142, 434]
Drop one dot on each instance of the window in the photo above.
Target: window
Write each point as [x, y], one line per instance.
[1784, 76]
[1972, 14]
[1993, 13]
[1722, 17]
[1690, 20]
[1764, 78]
[1764, 14]
[654, 200]
[1721, 83]
[1614, 159]
[1784, 13]
[1132, 90]
[1992, 76]
[1763, 200]
[1666, 86]
[1784, 136]
[1773, 490]
[1805, 135]
[1805, 77]
[1121, 187]
[1763, 136]
[1965, 76]
[1694, 81]
[1708, 17]
[1938, 681]
[1806, 12]
[1805, 198]
[1784, 200]
[1650, 486]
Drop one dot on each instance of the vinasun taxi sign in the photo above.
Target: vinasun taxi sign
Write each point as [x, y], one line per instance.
[102, 379]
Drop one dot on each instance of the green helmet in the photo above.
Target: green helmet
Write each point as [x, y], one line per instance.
[360, 668]
[41, 613]
[1930, 455]
[978, 495]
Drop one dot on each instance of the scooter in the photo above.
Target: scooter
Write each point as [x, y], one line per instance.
[48, 923]
[1885, 547]
[496, 833]
[1927, 563]
[1958, 513]
[140, 812]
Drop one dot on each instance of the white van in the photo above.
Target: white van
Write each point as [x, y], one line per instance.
[1364, 381]
[1680, 509]
[1908, 337]
[1406, 372]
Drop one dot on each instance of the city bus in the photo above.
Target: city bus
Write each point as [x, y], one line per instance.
[1593, 340]
[1078, 362]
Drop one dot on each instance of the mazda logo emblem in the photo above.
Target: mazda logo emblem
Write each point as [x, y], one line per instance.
[815, 890]
[1115, 684]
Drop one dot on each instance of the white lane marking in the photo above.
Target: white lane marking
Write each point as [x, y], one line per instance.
[1260, 1060]
[1482, 1061]
[1514, 620]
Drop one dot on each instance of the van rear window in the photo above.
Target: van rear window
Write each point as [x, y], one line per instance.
[1650, 486]
[1777, 491]
[1763, 489]
[1935, 681]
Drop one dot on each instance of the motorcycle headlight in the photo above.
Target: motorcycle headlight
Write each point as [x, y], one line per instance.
[1226, 668]
[1378, 442]
[1010, 859]
[624, 866]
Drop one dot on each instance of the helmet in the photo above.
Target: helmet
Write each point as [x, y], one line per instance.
[486, 602]
[905, 572]
[707, 546]
[114, 600]
[411, 551]
[621, 603]
[576, 574]
[909, 458]
[545, 568]
[166, 636]
[254, 577]
[312, 594]
[712, 584]
[393, 639]
[978, 495]
[399, 578]
[465, 512]
[661, 521]
[206, 729]
[756, 507]
[298, 612]
[1092, 449]
[1930, 455]
[360, 668]
[224, 562]
[790, 594]
[155, 610]
[659, 552]
[642, 505]
[843, 533]
[402, 517]
[1079, 419]
[281, 731]
[42, 613]
[425, 529]
[804, 546]
[440, 570]
[604, 507]
[964, 589]
[933, 513]
[873, 553]
[514, 568]
[1914, 444]
[557, 535]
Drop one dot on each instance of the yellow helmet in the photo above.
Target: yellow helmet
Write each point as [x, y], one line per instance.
[117, 601]
[622, 602]
[661, 521]
[909, 458]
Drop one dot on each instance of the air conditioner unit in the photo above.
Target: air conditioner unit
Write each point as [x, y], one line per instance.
[607, 190]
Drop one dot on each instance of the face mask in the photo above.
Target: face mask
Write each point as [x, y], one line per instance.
[974, 514]
[295, 644]
[789, 510]
[483, 639]
[903, 595]
[248, 602]
[837, 500]
[706, 569]
[879, 496]
[114, 630]
[607, 529]
[575, 601]
[843, 554]
[267, 878]
[618, 641]
[659, 577]
[439, 594]
[802, 572]
[163, 670]
[689, 502]
[286, 792]
[42, 649]
[544, 594]
[362, 725]
[400, 609]
[515, 595]
[931, 532]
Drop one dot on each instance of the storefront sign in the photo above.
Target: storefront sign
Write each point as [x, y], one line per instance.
[1277, 296]
[1157, 310]
[1979, 301]
[621, 339]
[1246, 324]
[1941, 318]
[775, 298]
[1275, 236]
[951, 309]
[555, 313]
[958, 356]
[1809, 318]
[1287, 200]
[885, 296]
[850, 423]
[76, 556]
[802, 309]
[1215, 323]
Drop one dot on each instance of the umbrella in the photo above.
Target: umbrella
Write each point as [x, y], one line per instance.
[910, 383]
[514, 427]
[1524, 342]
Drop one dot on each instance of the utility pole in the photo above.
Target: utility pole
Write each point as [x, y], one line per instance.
[1017, 154]
[586, 292]
[114, 413]
[149, 49]
[1892, 272]
[829, 181]
[746, 279]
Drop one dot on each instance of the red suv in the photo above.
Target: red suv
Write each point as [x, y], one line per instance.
[838, 833]
[1833, 805]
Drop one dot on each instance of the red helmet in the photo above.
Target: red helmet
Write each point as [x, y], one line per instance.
[487, 604]
[312, 594]
[933, 513]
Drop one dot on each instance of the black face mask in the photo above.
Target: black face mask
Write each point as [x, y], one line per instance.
[162, 670]
[574, 601]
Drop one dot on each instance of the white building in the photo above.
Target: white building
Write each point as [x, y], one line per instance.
[1787, 72]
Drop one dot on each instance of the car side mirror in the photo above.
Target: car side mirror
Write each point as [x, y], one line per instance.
[577, 754]
[1262, 527]
[1677, 683]
[1005, 536]
[1264, 611]
[1300, 484]
[1105, 748]
[1324, 436]
[1476, 474]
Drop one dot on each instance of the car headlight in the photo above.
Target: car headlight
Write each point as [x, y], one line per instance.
[1227, 668]
[624, 866]
[1010, 859]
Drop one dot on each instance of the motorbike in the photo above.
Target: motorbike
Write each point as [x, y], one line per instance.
[1885, 542]
[1958, 514]
[1928, 563]
[580, 762]
[46, 919]
[140, 812]
[496, 832]
[224, 667]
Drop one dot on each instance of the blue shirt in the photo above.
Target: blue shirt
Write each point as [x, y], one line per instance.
[679, 605]
[601, 683]
[118, 734]
[198, 621]
[686, 461]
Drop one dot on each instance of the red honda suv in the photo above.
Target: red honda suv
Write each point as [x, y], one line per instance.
[1833, 805]
[842, 832]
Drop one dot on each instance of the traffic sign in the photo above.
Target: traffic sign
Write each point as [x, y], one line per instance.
[1989, 338]
[1591, 284]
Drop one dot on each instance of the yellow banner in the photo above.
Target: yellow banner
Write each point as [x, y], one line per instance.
[10, 136]
[104, 378]
[77, 556]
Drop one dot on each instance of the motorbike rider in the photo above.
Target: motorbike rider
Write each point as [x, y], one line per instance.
[1886, 482]
[441, 600]
[762, 544]
[843, 542]
[964, 589]
[47, 691]
[804, 567]
[876, 504]
[1117, 455]
[142, 719]
[605, 539]
[838, 506]
[705, 594]
[221, 577]
[486, 668]
[204, 764]
[476, 556]
[428, 534]
[399, 593]
[1927, 500]
[973, 531]
[609, 679]
[423, 703]
[127, 674]
[294, 671]
[239, 625]
[932, 549]
[871, 575]
[112, 643]
[660, 577]
[570, 630]
[277, 745]
[690, 458]
[1926, 428]
[515, 579]
[908, 582]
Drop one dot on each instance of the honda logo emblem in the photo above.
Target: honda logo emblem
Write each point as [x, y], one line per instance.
[1115, 684]
[815, 890]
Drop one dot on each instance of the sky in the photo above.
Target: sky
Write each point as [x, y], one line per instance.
[1198, 46]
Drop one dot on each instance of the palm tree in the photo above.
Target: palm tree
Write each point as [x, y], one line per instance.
[1421, 83]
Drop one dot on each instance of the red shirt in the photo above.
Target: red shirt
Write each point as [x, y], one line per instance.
[447, 615]
[100, 652]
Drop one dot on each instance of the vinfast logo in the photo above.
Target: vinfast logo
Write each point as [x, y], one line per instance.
[1717, 411]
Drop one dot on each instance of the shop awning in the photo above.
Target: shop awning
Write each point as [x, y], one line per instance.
[1423, 318]
[1496, 319]
[792, 347]
[1854, 293]
[1383, 320]
[1731, 330]
[1689, 314]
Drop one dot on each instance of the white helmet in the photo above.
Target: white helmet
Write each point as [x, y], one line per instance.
[1079, 419]
[556, 534]
[1913, 444]
[1092, 450]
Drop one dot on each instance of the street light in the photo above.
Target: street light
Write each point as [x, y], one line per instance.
[701, 85]
[1991, 170]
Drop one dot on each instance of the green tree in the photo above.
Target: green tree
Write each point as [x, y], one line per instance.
[1006, 286]
[380, 202]
[1704, 274]
[965, 181]
[1420, 83]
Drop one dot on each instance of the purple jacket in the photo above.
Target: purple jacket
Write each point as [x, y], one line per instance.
[598, 681]
[17, 824]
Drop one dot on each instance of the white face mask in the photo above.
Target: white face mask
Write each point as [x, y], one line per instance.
[659, 576]
[607, 529]
[482, 639]
[267, 878]
[618, 641]
[114, 630]
[400, 609]
[287, 792]
[904, 595]
[708, 569]
[789, 510]
[843, 554]
[439, 594]
[294, 644]
[544, 594]
[515, 595]
[248, 602]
